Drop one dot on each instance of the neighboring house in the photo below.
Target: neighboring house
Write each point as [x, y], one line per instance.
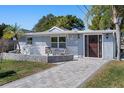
[97, 44]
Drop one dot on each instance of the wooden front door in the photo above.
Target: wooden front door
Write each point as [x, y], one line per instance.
[93, 46]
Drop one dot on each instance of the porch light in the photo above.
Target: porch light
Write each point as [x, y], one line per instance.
[107, 36]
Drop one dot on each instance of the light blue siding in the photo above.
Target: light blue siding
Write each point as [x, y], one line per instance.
[72, 44]
[42, 40]
[75, 44]
[80, 46]
[108, 48]
[38, 45]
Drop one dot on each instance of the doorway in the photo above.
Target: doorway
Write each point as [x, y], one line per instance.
[93, 46]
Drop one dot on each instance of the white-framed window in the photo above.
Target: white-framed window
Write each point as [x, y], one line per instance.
[58, 42]
[54, 42]
[29, 40]
[62, 42]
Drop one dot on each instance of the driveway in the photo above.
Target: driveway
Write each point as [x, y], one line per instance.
[67, 75]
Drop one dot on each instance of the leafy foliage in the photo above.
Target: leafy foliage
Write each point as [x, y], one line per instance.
[67, 22]
[120, 10]
[13, 31]
[2, 27]
[102, 17]
[8, 33]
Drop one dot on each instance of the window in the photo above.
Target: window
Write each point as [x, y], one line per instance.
[58, 42]
[62, 42]
[54, 39]
[29, 40]
[62, 39]
[54, 42]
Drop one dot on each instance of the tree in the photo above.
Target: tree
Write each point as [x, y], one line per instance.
[44, 23]
[13, 32]
[67, 22]
[118, 13]
[101, 17]
[2, 27]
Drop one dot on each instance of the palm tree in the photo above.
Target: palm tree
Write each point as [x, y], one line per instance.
[13, 32]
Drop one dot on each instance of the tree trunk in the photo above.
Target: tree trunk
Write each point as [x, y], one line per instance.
[116, 22]
[118, 41]
[18, 46]
[17, 40]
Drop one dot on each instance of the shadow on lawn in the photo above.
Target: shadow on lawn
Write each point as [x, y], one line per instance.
[7, 73]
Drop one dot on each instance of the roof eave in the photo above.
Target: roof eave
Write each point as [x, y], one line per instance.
[70, 32]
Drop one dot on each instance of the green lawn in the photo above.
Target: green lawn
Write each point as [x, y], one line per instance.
[13, 70]
[109, 76]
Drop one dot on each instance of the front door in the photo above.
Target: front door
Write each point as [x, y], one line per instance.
[93, 46]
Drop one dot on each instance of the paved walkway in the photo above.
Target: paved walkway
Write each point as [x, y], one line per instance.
[70, 74]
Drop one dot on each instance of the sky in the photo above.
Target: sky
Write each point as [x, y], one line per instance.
[27, 16]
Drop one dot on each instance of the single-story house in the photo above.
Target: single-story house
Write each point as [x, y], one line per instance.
[57, 41]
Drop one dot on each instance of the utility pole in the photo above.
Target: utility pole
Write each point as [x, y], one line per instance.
[116, 21]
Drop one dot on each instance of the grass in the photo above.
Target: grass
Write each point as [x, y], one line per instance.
[110, 76]
[20, 69]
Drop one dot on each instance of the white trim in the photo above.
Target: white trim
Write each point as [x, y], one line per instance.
[113, 45]
[98, 45]
[83, 45]
[59, 42]
[102, 46]
[94, 32]
[50, 30]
